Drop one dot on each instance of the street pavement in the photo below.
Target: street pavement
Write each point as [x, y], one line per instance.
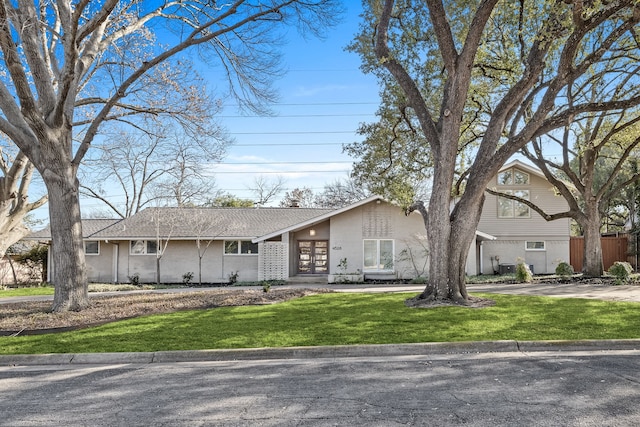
[550, 388]
[504, 383]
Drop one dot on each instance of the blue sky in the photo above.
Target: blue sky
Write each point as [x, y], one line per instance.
[323, 98]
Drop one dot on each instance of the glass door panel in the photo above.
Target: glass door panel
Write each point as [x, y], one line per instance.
[313, 257]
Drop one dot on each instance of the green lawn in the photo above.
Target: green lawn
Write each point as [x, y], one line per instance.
[26, 292]
[338, 318]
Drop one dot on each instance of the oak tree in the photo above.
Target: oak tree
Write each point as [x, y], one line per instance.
[523, 60]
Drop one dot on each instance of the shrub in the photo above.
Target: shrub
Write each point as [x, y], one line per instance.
[134, 279]
[266, 287]
[564, 270]
[233, 278]
[523, 273]
[187, 277]
[621, 271]
[420, 280]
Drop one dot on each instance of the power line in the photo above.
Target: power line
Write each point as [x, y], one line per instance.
[304, 144]
[287, 163]
[283, 172]
[294, 132]
[316, 104]
[279, 116]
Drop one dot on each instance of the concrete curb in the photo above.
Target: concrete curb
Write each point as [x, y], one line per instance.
[375, 350]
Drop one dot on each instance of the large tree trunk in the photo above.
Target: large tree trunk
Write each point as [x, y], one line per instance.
[69, 274]
[592, 264]
[450, 234]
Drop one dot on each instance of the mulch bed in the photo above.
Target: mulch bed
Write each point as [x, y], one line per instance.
[35, 317]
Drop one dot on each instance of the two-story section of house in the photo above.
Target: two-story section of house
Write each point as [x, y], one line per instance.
[511, 230]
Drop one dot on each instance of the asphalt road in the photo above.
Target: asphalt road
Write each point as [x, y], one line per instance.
[593, 383]
[473, 389]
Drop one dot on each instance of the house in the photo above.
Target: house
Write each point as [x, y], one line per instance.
[509, 230]
[371, 237]
[366, 240]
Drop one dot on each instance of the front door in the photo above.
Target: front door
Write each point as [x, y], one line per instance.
[313, 257]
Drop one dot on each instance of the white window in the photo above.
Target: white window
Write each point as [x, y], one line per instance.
[143, 247]
[513, 177]
[508, 208]
[92, 248]
[240, 247]
[535, 246]
[378, 255]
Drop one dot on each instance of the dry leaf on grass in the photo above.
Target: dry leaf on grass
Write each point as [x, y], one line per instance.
[35, 315]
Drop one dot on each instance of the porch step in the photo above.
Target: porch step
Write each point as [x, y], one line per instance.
[309, 279]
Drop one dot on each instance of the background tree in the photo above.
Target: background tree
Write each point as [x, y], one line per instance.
[342, 192]
[163, 165]
[393, 160]
[205, 228]
[70, 67]
[265, 190]
[484, 72]
[17, 174]
[299, 197]
[594, 168]
[227, 200]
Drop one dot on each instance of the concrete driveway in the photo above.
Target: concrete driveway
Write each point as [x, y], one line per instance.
[564, 290]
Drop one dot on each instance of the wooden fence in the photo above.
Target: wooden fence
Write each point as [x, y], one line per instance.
[614, 248]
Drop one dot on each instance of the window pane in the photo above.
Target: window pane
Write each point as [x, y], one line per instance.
[505, 208]
[370, 254]
[505, 178]
[137, 247]
[386, 254]
[230, 246]
[92, 248]
[520, 178]
[522, 210]
[152, 247]
[247, 247]
[535, 245]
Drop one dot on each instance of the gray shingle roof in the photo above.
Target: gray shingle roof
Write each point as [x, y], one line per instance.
[187, 223]
[89, 227]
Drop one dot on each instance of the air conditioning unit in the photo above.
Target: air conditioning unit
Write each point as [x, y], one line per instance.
[511, 268]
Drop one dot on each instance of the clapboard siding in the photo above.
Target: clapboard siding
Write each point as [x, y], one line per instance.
[542, 194]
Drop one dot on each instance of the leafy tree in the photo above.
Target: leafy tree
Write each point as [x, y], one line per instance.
[227, 200]
[72, 66]
[394, 160]
[479, 71]
[595, 166]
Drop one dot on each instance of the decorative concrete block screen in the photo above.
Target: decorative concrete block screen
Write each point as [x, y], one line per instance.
[273, 261]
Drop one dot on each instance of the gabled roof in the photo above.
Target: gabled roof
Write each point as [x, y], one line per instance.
[218, 223]
[521, 165]
[312, 221]
[89, 228]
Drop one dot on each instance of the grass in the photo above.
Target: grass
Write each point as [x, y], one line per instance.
[339, 318]
[93, 287]
[26, 292]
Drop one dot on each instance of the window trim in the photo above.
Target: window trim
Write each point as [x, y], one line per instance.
[146, 247]
[513, 204]
[542, 249]
[512, 177]
[239, 252]
[86, 252]
[376, 269]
